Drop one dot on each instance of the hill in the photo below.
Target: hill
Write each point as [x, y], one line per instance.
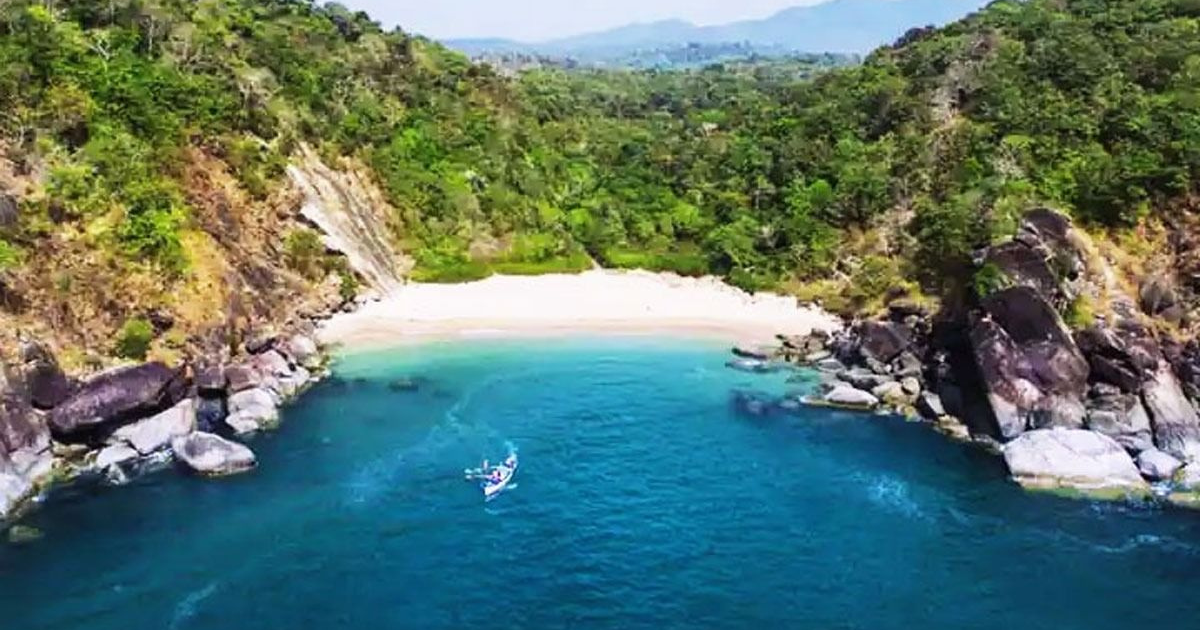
[836, 26]
[164, 154]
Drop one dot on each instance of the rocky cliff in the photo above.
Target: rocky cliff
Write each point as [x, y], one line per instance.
[227, 346]
[1083, 376]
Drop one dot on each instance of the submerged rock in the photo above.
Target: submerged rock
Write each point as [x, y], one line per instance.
[753, 366]
[212, 455]
[753, 351]
[1072, 459]
[24, 534]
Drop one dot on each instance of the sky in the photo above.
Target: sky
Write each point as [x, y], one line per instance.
[535, 20]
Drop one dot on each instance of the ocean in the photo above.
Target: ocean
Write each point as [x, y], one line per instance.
[650, 495]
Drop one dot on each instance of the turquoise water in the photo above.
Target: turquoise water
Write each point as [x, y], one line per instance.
[646, 499]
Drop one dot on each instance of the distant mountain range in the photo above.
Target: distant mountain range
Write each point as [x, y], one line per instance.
[836, 26]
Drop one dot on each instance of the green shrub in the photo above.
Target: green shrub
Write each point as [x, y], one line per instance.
[11, 256]
[1080, 313]
[304, 253]
[990, 279]
[134, 338]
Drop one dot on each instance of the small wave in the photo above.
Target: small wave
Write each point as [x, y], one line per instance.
[894, 495]
[190, 605]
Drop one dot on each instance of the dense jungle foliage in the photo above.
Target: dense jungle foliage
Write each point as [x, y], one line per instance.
[897, 168]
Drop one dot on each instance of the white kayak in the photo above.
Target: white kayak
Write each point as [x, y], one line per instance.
[508, 471]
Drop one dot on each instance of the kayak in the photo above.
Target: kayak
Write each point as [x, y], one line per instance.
[493, 488]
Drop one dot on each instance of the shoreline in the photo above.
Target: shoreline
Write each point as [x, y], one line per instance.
[593, 303]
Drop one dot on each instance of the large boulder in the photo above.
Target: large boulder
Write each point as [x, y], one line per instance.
[1123, 418]
[212, 455]
[1175, 421]
[252, 410]
[850, 397]
[242, 377]
[1034, 374]
[116, 398]
[48, 385]
[881, 342]
[156, 432]
[20, 473]
[1072, 459]
[1156, 465]
[305, 351]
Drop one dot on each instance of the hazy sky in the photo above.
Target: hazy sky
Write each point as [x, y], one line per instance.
[533, 20]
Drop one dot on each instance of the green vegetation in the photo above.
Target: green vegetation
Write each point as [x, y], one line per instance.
[753, 172]
[133, 342]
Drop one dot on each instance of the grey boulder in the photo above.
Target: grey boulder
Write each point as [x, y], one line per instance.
[846, 396]
[1122, 418]
[156, 432]
[1176, 423]
[212, 455]
[1156, 465]
[1072, 459]
[305, 351]
[252, 410]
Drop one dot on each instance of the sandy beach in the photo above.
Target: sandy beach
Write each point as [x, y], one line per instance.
[595, 302]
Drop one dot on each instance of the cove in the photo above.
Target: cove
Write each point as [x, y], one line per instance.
[646, 499]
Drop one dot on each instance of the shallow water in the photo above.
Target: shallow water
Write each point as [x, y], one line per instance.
[645, 500]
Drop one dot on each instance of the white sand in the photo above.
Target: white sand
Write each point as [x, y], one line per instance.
[596, 302]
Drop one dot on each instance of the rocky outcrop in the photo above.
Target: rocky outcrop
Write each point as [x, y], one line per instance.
[212, 455]
[354, 218]
[1034, 373]
[1074, 460]
[115, 398]
[1045, 256]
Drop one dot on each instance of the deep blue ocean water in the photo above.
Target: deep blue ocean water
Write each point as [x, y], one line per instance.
[645, 499]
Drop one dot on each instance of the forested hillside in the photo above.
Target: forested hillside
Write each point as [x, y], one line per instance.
[866, 178]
